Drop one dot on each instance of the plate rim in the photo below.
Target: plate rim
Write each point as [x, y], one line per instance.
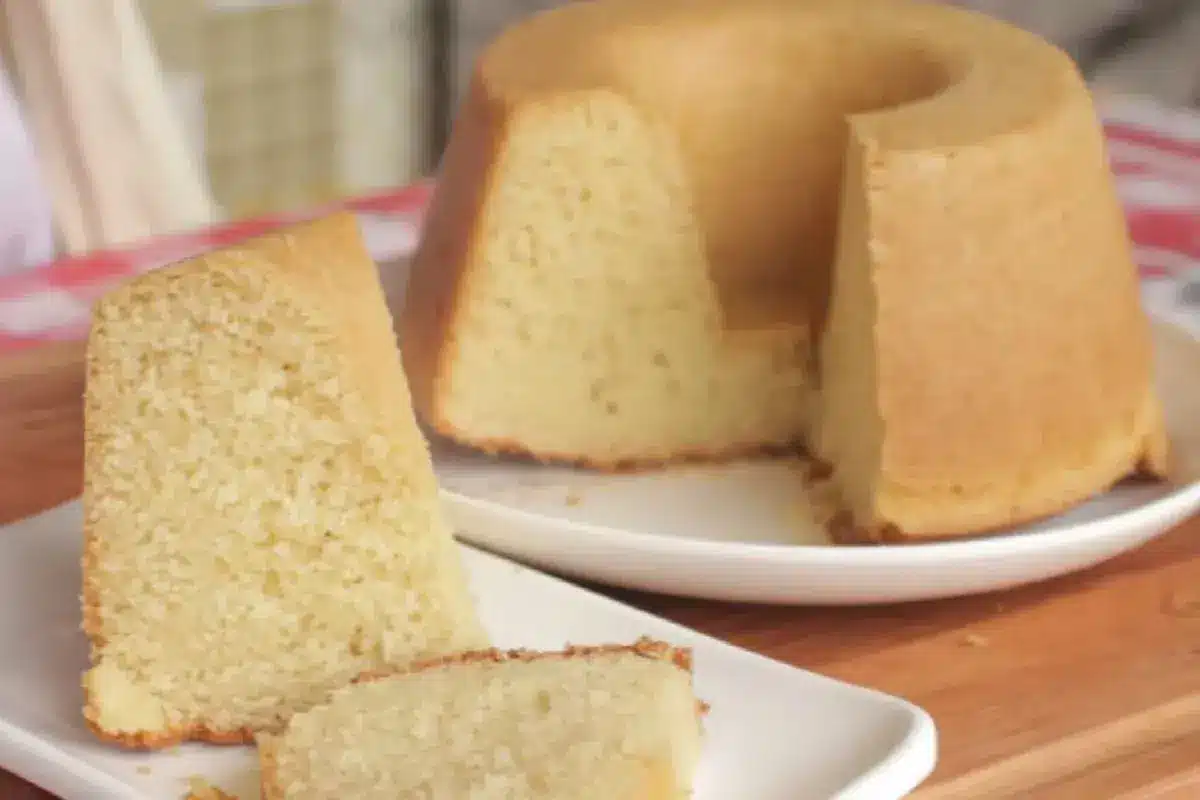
[1181, 500]
[71, 776]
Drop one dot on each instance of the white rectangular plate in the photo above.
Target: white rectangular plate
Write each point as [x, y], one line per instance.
[774, 733]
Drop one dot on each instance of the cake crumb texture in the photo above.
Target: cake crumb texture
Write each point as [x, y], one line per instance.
[587, 723]
[261, 516]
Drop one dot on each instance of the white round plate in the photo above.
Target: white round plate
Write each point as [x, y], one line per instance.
[735, 531]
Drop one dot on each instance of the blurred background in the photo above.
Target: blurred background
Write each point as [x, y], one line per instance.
[197, 110]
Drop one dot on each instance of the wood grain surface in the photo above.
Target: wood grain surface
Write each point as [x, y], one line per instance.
[1084, 687]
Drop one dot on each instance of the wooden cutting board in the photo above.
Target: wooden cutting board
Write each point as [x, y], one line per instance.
[1084, 687]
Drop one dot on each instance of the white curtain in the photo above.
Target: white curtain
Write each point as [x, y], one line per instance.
[26, 222]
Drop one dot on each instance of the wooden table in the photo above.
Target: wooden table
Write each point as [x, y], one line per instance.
[1085, 687]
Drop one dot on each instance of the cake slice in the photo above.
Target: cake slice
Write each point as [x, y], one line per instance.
[261, 517]
[589, 723]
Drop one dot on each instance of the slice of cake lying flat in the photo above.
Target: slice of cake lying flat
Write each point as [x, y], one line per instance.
[589, 723]
[262, 522]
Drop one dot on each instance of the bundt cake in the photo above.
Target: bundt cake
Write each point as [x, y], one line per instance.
[262, 522]
[590, 723]
[885, 230]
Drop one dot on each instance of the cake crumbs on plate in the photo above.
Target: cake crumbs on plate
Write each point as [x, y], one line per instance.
[975, 640]
[143, 769]
[574, 498]
[201, 789]
[1182, 603]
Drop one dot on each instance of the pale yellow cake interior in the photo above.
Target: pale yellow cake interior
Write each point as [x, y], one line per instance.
[666, 379]
[259, 531]
[613, 726]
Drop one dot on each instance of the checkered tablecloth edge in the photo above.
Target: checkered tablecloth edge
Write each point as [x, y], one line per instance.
[1154, 152]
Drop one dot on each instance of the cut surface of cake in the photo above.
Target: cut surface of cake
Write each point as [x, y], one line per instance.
[261, 517]
[588, 723]
[881, 229]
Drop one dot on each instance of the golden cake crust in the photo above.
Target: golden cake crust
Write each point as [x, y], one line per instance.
[983, 429]
[644, 647]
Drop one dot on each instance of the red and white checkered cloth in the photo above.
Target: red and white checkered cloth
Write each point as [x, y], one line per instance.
[1155, 155]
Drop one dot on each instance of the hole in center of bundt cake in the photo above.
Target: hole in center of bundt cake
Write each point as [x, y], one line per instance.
[764, 136]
